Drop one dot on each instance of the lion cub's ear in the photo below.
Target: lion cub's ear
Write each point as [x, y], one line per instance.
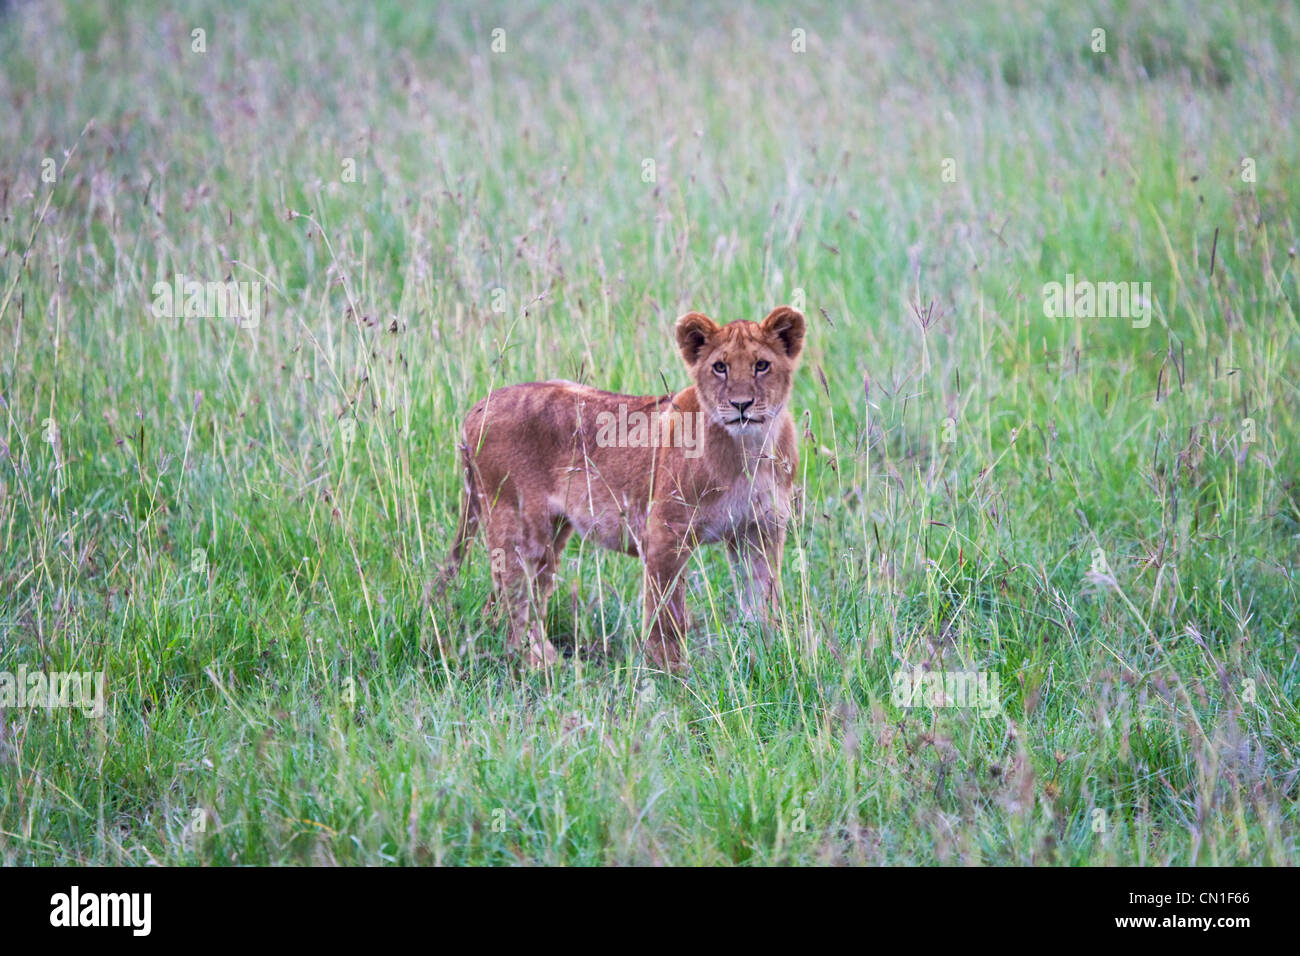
[787, 325]
[694, 329]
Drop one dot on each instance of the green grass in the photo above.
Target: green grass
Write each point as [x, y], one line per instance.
[257, 588]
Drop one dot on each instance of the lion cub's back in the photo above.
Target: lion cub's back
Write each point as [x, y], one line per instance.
[538, 425]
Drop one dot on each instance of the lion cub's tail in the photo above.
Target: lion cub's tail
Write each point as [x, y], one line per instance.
[471, 502]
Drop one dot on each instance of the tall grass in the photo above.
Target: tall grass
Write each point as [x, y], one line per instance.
[241, 526]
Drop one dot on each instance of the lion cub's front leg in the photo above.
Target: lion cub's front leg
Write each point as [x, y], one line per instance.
[756, 553]
[666, 553]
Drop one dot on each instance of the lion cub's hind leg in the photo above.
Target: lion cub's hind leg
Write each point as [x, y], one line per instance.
[525, 554]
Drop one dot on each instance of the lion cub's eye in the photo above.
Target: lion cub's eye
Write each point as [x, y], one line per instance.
[762, 365]
[720, 368]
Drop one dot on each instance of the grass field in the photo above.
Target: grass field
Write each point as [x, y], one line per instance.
[239, 522]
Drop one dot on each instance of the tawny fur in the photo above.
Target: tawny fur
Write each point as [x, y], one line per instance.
[538, 467]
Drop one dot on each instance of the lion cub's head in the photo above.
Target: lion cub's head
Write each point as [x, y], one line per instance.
[743, 370]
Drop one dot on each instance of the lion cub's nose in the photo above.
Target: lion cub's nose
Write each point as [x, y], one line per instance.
[741, 406]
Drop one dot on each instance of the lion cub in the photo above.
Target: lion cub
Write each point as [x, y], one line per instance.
[651, 477]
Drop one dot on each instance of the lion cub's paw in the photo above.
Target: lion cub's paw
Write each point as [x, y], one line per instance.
[667, 658]
[540, 655]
